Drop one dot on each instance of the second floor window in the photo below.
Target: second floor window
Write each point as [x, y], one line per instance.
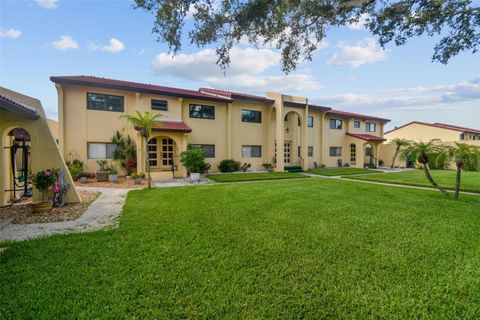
[105, 102]
[356, 124]
[202, 112]
[310, 122]
[160, 105]
[251, 116]
[335, 124]
[370, 127]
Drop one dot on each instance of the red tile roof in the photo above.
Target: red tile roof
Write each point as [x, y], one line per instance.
[135, 86]
[438, 125]
[364, 136]
[303, 105]
[235, 95]
[172, 126]
[355, 115]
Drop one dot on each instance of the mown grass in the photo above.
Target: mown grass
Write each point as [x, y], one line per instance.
[307, 248]
[340, 171]
[470, 180]
[239, 177]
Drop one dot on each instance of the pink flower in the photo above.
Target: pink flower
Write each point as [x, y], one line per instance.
[50, 188]
[48, 173]
[57, 187]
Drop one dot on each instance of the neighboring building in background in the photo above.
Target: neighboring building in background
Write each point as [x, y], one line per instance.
[26, 145]
[227, 125]
[53, 125]
[423, 131]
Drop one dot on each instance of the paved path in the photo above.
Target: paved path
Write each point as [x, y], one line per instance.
[103, 212]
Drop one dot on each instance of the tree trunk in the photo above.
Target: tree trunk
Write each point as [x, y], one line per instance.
[430, 179]
[395, 157]
[147, 163]
[457, 181]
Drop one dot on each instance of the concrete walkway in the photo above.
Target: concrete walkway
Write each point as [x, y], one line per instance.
[103, 212]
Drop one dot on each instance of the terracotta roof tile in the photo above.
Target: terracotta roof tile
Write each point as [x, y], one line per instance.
[438, 125]
[172, 126]
[235, 95]
[364, 136]
[135, 86]
[355, 115]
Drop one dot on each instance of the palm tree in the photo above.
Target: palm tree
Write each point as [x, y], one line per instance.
[399, 143]
[422, 152]
[463, 154]
[143, 122]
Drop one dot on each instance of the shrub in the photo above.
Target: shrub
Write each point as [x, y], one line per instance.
[346, 165]
[245, 167]
[229, 165]
[268, 166]
[75, 168]
[194, 160]
[437, 161]
[471, 166]
[125, 151]
[322, 165]
[381, 163]
[112, 169]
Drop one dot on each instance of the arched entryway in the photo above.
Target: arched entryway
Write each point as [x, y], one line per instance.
[16, 163]
[163, 154]
[369, 152]
[293, 135]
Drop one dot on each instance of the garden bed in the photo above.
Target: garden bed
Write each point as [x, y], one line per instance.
[122, 183]
[21, 212]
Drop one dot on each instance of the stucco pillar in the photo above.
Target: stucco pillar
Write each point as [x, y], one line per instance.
[304, 147]
[61, 120]
[375, 153]
[229, 131]
[266, 138]
[323, 139]
[279, 134]
[183, 147]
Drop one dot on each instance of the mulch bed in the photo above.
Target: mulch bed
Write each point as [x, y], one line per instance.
[21, 212]
[122, 183]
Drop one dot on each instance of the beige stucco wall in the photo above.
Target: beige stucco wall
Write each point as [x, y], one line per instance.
[227, 132]
[44, 153]
[420, 132]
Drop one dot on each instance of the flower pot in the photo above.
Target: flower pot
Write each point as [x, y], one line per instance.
[83, 179]
[137, 181]
[102, 176]
[113, 177]
[195, 177]
[42, 206]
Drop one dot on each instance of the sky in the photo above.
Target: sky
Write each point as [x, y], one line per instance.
[349, 71]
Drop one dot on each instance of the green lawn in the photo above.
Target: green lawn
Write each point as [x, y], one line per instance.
[470, 180]
[340, 171]
[238, 177]
[307, 248]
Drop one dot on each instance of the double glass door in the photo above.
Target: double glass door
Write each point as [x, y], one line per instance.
[160, 153]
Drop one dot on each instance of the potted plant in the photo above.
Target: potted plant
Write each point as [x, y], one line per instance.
[102, 173]
[138, 178]
[84, 176]
[112, 173]
[44, 181]
[193, 160]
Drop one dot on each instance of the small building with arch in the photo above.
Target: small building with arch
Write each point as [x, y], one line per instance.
[26, 145]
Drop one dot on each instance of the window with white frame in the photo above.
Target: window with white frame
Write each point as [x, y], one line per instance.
[98, 150]
[251, 151]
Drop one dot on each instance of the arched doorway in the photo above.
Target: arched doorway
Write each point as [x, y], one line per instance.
[369, 155]
[17, 163]
[292, 154]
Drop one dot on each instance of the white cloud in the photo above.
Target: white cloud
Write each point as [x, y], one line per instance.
[47, 4]
[362, 52]
[114, 46]
[361, 23]
[10, 33]
[65, 43]
[443, 97]
[246, 70]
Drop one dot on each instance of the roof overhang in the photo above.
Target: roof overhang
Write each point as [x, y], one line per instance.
[87, 83]
[366, 137]
[18, 108]
[170, 126]
[304, 105]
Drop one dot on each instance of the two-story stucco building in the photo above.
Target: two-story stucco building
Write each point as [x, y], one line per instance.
[227, 125]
